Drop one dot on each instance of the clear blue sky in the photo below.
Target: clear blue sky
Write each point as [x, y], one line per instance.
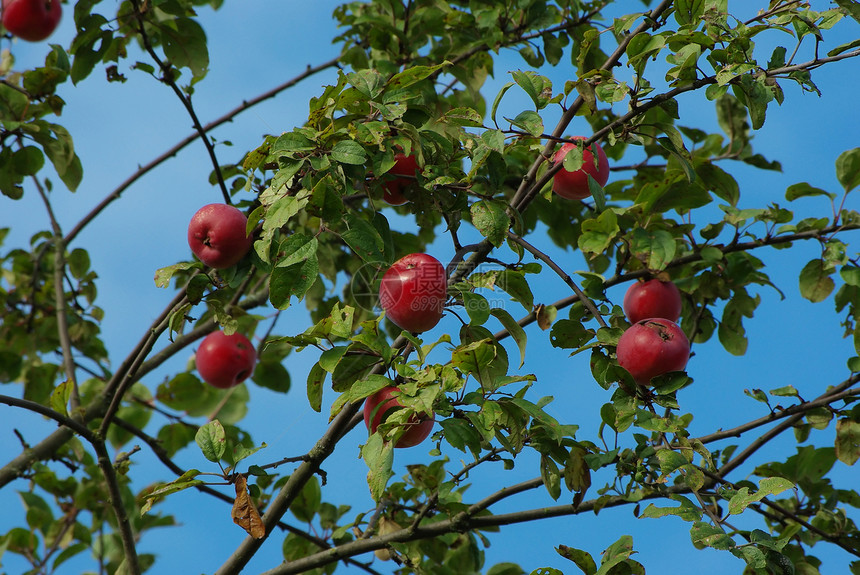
[256, 45]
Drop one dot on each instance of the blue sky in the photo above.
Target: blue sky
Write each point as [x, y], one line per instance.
[256, 45]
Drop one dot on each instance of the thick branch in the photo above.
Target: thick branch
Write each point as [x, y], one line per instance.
[124, 527]
[162, 455]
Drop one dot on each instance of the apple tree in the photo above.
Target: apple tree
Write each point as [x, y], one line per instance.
[407, 150]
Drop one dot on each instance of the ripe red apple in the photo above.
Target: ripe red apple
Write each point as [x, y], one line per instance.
[393, 189]
[381, 404]
[31, 20]
[652, 347]
[574, 185]
[217, 236]
[652, 298]
[413, 292]
[225, 361]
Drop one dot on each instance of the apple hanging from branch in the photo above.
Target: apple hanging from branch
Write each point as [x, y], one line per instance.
[413, 292]
[652, 299]
[652, 347]
[217, 235]
[225, 361]
[573, 185]
[379, 406]
[404, 170]
[31, 20]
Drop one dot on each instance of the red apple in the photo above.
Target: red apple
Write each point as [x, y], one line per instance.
[217, 235]
[413, 292]
[225, 361]
[381, 404]
[393, 189]
[31, 20]
[652, 298]
[574, 185]
[652, 347]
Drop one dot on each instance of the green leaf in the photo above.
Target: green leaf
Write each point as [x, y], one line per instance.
[598, 233]
[581, 558]
[349, 152]
[529, 121]
[705, 535]
[767, 486]
[212, 440]
[815, 281]
[174, 436]
[464, 117]
[848, 169]
[271, 374]
[477, 307]
[491, 219]
[539, 88]
[551, 476]
[498, 101]
[184, 481]
[514, 284]
[412, 75]
[720, 182]
[316, 379]
[293, 280]
[93, 30]
[513, 328]
[361, 389]
[485, 358]
[569, 334]
[505, 569]
[364, 239]
[754, 96]
[60, 397]
[688, 12]
[803, 189]
[241, 452]
[687, 510]
[656, 248]
[848, 441]
[185, 46]
[28, 160]
[670, 461]
[379, 457]
[163, 275]
[307, 502]
[60, 149]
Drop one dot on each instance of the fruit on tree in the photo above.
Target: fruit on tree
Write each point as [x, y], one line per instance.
[217, 235]
[393, 188]
[652, 347]
[574, 185]
[225, 361]
[652, 298]
[31, 20]
[379, 406]
[413, 292]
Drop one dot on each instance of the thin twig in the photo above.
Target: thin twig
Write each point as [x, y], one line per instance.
[115, 194]
[586, 301]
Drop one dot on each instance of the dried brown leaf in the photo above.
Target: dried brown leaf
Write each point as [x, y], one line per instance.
[244, 514]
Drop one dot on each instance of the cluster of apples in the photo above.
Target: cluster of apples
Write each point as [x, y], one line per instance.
[412, 293]
[31, 20]
[654, 344]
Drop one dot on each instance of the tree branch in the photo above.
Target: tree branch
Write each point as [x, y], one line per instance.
[115, 194]
[586, 301]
